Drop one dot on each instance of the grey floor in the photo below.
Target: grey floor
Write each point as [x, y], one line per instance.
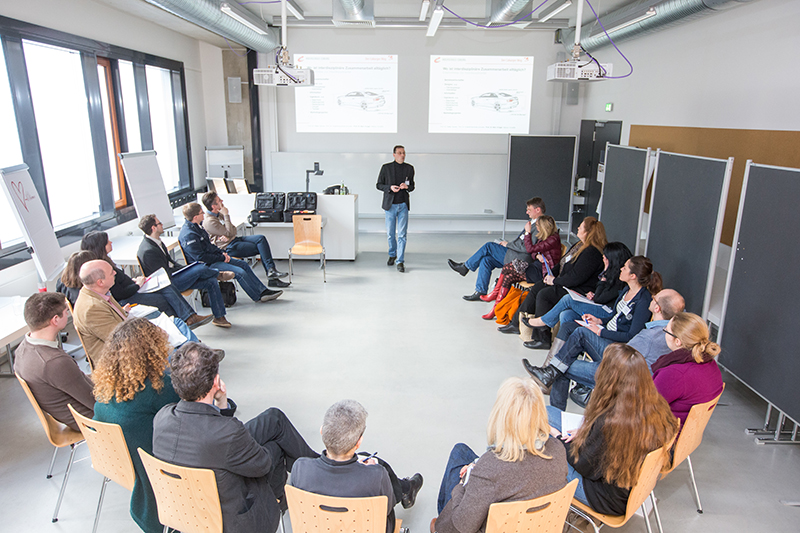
[426, 367]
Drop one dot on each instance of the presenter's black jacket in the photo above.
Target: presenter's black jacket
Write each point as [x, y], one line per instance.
[152, 257]
[394, 174]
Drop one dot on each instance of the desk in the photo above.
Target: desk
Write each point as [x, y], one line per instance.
[12, 326]
[125, 249]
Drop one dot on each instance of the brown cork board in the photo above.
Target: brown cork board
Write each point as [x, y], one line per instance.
[766, 147]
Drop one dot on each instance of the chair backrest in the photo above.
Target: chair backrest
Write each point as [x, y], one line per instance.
[187, 498]
[307, 229]
[71, 312]
[312, 513]
[651, 468]
[108, 449]
[57, 433]
[692, 432]
[545, 514]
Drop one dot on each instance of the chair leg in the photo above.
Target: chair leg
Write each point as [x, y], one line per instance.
[64, 483]
[584, 516]
[100, 504]
[283, 528]
[52, 462]
[646, 519]
[324, 272]
[166, 529]
[694, 484]
[290, 266]
[655, 510]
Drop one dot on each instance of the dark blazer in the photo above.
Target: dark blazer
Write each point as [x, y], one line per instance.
[388, 177]
[580, 274]
[197, 435]
[152, 257]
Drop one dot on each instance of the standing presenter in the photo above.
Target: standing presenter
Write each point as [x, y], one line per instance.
[396, 180]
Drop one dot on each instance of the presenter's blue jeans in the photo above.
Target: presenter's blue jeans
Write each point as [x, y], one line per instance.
[250, 246]
[397, 221]
[244, 275]
[554, 417]
[568, 310]
[199, 276]
[488, 257]
[460, 456]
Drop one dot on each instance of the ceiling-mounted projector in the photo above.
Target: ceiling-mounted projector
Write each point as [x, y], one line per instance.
[575, 70]
[283, 76]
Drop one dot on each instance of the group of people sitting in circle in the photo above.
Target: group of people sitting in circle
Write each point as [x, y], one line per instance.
[649, 363]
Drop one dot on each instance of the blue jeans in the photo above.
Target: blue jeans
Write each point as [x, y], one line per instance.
[460, 455]
[397, 217]
[554, 417]
[199, 276]
[252, 245]
[580, 340]
[488, 257]
[244, 275]
[567, 310]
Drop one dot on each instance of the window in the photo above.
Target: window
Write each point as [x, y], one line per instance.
[162, 122]
[59, 98]
[127, 84]
[10, 155]
[110, 123]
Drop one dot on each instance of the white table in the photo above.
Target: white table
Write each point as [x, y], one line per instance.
[125, 249]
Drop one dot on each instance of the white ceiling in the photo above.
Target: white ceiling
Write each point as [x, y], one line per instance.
[476, 11]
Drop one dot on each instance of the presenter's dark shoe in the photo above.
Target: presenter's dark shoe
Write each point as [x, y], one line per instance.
[411, 496]
[220, 354]
[274, 273]
[196, 320]
[580, 394]
[509, 328]
[278, 283]
[268, 295]
[401, 267]
[391, 260]
[458, 267]
[221, 322]
[225, 276]
[544, 377]
[474, 297]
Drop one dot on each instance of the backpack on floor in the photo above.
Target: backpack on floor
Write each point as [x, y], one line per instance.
[228, 290]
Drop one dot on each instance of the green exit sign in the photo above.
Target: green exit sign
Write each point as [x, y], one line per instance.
[609, 107]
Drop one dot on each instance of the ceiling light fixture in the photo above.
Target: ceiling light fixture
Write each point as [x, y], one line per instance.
[226, 8]
[295, 10]
[436, 19]
[556, 11]
[650, 13]
[423, 12]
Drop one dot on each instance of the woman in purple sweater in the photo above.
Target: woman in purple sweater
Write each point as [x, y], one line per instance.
[689, 375]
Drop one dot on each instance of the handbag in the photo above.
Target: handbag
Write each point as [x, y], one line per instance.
[228, 290]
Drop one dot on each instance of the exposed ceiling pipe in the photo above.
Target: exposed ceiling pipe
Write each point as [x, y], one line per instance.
[352, 7]
[208, 15]
[353, 13]
[505, 11]
[668, 13]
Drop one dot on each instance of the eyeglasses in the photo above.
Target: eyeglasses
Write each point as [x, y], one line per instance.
[670, 333]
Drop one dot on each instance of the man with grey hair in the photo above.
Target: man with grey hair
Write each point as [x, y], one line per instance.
[340, 472]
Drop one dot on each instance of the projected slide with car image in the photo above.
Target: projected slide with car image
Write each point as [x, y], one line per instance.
[480, 94]
[351, 94]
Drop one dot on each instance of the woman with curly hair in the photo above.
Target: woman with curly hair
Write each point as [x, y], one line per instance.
[523, 462]
[131, 385]
[126, 290]
[626, 419]
[546, 251]
[689, 374]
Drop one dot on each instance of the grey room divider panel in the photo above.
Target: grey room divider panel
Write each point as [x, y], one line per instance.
[540, 166]
[624, 188]
[685, 223]
[758, 333]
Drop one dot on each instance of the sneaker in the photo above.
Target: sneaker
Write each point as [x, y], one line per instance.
[390, 262]
[401, 267]
[221, 322]
[268, 295]
[225, 276]
[274, 273]
[196, 320]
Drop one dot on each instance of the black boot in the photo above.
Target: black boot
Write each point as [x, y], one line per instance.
[541, 338]
[580, 394]
[544, 377]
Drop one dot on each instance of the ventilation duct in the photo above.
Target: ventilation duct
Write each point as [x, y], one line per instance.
[505, 11]
[668, 13]
[208, 15]
[354, 13]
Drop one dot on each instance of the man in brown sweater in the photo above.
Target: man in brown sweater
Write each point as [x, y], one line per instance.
[52, 375]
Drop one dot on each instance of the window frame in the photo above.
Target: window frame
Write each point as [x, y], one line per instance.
[12, 33]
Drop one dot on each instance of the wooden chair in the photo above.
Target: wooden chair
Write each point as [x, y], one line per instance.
[109, 454]
[312, 513]
[187, 498]
[689, 439]
[545, 514]
[648, 476]
[59, 436]
[308, 240]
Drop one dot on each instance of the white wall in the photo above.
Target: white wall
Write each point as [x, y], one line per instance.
[731, 69]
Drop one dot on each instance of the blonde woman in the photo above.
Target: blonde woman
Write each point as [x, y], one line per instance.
[689, 374]
[522, 462]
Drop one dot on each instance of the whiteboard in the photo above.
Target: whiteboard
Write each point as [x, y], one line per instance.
[32, 218]
[147, 187]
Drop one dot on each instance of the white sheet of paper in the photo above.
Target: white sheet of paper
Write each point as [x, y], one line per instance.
[176, 338]
[156, 281]
[583, 299]
[570, 422]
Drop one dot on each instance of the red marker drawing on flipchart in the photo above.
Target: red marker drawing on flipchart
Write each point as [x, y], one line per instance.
[21, 194]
